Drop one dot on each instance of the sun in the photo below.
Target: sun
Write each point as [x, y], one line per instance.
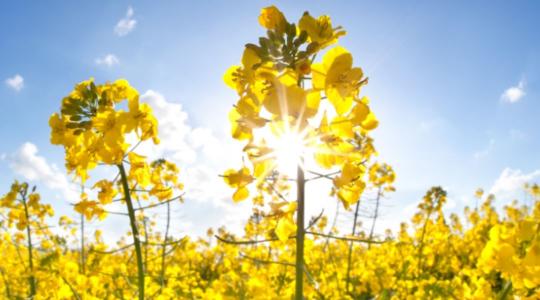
[288, 151]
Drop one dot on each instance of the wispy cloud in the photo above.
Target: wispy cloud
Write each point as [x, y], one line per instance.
[16, 82]
[126, 24]
[486, 151]
[108, 60]
[201, 156]
[431, 125]
[515, 93]
[511, 182]
[517, 134]
[27, 163]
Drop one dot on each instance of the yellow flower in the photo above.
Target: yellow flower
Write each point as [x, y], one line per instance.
[244, 118]
[380, 174]
[320, 30]
[350, 172]
[90, 208]
[342, 127]
[239, 77]
[93, 131]
[239, 179]
[349, 183]
[350, 194]
[107, 191]
[60, 134]
[109, 125]
[359, 112]
[286, 99]
[370, 122]
[285, 228]
[273, 19]
[140, 117]
[333, 149]
[139, 171]
[338, 78]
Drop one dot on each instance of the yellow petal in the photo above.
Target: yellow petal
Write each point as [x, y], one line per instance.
[318, 74]
[312, 104]
[370, 122]
[249, 59]
[284, 229]
[241, 194]
[342, 103]
[342, 127]
[272, 18]
[231, 77]
[337, 60]
[359, 113]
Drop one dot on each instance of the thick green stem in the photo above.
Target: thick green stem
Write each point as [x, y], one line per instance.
[31, 279]
[300, 233]
[134, 230]
[145, 228]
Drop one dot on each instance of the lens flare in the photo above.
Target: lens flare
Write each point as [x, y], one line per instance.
[288, 149]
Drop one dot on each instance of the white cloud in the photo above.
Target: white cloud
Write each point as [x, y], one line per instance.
[431, 125]
[108, 60]
[27, 163]
[517, 134]
[514, 93]
[393, 218]
[486, 151]
[16, 82]
[126, 24]
[511, 181]
[465, 199]
[426, 126]
[174, 132]
[182, 143]
[201, 157]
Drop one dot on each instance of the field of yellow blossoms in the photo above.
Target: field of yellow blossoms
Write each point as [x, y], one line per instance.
[299, 102]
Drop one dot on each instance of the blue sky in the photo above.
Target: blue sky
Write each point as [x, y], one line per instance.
[455, 86]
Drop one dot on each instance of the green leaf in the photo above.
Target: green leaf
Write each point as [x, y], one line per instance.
[264, 42]
[302, 38]
[312, 47]
[48, 259]
[72, 125]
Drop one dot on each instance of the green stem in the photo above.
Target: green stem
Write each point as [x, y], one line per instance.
[8, 290]
[164, 246]
[349, 258]
[375, 215]
[505, 292]
[134, 230]
[31, 279]
[83, 254]
[300, 233]
[421, 246]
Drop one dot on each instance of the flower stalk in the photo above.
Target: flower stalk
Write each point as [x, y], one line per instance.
[134, 230]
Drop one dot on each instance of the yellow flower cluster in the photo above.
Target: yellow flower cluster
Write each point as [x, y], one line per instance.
[513, 249]
[483, 255]
[93, 128]
[93, 131]
[23, 205]
[282, 90]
